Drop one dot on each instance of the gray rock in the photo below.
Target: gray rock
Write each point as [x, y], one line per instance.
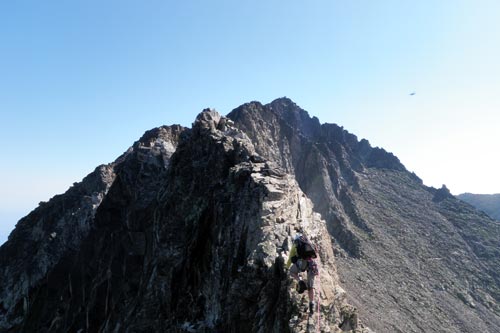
[46, 242]
[192, 244]
[189, 231]
[394, 237]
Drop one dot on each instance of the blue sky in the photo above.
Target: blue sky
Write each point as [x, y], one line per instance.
[80, 81]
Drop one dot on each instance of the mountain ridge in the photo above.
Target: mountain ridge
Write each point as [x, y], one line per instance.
[339, 178]
[193, 227]
[488, 203]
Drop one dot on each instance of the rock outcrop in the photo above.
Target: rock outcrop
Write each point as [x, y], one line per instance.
[191, 242]
[411, 258]
[325, 159]
[49, 238]
[190, 229]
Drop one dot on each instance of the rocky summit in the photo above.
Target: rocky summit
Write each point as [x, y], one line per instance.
[190, 230]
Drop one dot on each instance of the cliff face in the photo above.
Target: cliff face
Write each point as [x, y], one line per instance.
[36, 257]
[412, 258]
[326, 160]
[189, 231]
[194, 241]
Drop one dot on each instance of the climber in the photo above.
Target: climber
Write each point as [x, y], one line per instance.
[301, 258]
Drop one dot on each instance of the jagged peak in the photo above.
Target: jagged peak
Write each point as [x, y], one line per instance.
[285, 107]
[285, 110]
[442, 194]
[338, 133]
[213, 211]
[212, 121]
[284, 101]
[208, 118]
[296, 119]
[164, 131]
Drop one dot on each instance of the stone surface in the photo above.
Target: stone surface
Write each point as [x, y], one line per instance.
[191, 242]
[189, 230]
[411, 258]
[49, 238]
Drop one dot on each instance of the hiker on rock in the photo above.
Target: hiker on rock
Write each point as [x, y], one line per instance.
[301, 259]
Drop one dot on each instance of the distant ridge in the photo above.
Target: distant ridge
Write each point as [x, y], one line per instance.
[488, 203]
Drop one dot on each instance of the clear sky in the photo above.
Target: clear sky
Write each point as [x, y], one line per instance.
[80, 81]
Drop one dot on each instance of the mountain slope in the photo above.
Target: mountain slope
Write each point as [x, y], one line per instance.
[488, 203]
[409, 256]
[46, 241]
[188, 231]
[195, 241]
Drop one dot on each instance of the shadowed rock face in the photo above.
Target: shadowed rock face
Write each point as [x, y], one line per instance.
[188, 231]
[325, 160]
[411, 258]
[45, 243]
[194, 241]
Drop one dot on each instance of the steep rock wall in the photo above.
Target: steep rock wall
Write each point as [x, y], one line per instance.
[411, 258]
[195, 242]
[52, 235]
